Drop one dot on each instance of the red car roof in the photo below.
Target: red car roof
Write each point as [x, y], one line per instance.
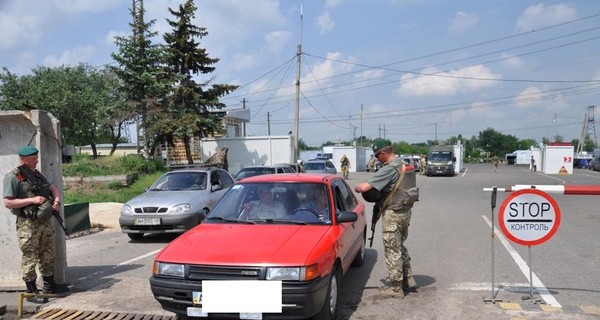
[291, 177]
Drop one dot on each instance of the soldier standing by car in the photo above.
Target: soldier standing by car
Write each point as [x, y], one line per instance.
[396, 213]
[34, 226]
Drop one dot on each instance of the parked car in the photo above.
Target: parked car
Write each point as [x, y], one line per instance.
[309, 248]
[252, 171]
[296, 167]
[176, 202]
[319, 166]
[595, 164]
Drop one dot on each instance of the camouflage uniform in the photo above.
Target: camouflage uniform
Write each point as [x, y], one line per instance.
[396, 220]
[345, 166]
[35, 235]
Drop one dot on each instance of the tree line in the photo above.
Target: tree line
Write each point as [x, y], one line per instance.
[164, 88]
[487, 144]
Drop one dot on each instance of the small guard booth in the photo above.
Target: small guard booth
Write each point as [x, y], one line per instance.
[41, 130]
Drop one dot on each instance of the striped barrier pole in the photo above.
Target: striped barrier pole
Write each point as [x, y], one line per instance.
[588, 190]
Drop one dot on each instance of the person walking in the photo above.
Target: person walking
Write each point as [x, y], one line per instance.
[423, 164]
[345, 162]
[33, 202]
[495, 161]
[372, 164]
[396, 183]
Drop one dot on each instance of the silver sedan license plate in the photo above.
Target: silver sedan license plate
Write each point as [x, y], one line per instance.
[146, 221]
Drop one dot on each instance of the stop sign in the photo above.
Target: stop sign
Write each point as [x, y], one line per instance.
[529, 217]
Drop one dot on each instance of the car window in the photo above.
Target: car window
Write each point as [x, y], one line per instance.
[344, 196]
[330, 165]
[276, 203]
[288, 170]
[226, 179]
[314, 166]
[175, 181]
[199, 180]
[279, 170]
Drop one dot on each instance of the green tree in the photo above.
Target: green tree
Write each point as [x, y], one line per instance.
[80, 97]
[495, 143]
[143, 82]
[192, 104]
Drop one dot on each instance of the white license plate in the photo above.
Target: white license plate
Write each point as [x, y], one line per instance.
[252, 316]
[196, 312]
[146, 221]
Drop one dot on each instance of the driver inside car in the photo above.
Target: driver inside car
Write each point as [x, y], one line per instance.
[265, 208]
[318, 207]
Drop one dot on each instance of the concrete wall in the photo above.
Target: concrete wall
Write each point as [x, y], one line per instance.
[40, 129]
[251, 151]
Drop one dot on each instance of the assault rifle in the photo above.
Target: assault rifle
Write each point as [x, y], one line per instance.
[41, 190]
[374, 218]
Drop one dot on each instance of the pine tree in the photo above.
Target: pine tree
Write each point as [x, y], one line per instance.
[193, 104]
[142, 74]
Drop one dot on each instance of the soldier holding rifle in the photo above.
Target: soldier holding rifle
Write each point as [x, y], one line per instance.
[33, 199]
[395, 186]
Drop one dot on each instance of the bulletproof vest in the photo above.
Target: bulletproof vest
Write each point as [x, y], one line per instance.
[42, 211]
[407, 192]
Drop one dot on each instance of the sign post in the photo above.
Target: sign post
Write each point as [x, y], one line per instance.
[529, 217]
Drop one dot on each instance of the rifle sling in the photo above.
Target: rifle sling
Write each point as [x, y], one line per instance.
[388, 198]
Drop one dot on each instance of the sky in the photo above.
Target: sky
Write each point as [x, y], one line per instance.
[404, 70]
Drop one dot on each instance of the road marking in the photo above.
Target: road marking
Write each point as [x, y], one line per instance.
[537, 283]
[465, 172]
[124, 263]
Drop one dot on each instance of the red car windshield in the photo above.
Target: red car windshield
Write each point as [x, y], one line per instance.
[298, 203]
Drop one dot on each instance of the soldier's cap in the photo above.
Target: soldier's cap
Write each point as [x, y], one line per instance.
[28, 151]
[380, 145]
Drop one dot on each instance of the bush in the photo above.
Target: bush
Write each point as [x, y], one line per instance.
[87, 166]
[115, 185]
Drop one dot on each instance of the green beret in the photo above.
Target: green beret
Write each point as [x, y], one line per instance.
[380, 144]
[28, 151]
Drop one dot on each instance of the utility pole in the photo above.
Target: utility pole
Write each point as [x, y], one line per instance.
[269, 123]
[297, 114]
[244, 108]
[361, 117]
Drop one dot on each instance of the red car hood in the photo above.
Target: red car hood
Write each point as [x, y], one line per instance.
[234, 244]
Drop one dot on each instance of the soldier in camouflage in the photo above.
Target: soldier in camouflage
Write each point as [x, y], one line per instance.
[396, 218]
[34, 226]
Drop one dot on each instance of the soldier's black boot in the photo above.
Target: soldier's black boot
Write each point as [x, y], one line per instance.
[32, 288]
[51, 287]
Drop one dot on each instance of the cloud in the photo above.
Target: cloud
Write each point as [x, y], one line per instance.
[18, 30]
[111, 35]
[463, 21]
[332, 3]
[541, 15]
[325, 22]
[325, 71]
[512, 61]
[448, 83]
[370, 74]
[276, 40]
[244, 61]
[70, 57]
[531, 96]
[75, 6]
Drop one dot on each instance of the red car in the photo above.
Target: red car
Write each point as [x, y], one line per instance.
[293, 236]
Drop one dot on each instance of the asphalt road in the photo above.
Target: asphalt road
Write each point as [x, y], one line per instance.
[450, 241]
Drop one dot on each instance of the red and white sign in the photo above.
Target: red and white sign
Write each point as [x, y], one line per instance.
[568, 159]
[529, 217]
